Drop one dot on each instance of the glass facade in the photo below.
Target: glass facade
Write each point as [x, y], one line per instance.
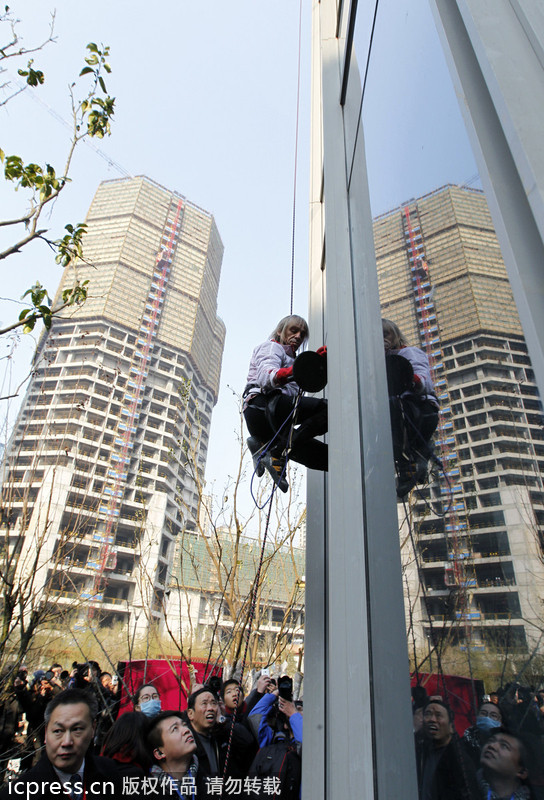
[415, 110]
[490, 435]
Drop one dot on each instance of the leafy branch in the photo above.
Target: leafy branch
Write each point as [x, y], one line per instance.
[91, 117]
[13, 49]
[34, 77]
[42, 307]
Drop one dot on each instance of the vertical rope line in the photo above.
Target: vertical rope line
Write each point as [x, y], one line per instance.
[296, 160]
[258, 575]
[249, 626]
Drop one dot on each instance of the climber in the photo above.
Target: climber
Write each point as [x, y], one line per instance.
[281, 423]
[413, 407]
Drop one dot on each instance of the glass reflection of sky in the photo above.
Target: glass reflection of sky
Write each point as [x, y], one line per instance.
[415, 138]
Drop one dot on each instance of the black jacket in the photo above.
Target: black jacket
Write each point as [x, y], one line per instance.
[455, 775]
[100, 773]
[241, 752]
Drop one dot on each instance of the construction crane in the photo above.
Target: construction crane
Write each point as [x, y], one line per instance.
[457, 574]
[126, 429]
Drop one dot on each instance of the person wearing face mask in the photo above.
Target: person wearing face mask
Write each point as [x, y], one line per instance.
[488, 719]
[147, 700]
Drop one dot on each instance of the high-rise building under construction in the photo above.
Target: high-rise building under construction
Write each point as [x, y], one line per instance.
[475, 575]
[98, 480]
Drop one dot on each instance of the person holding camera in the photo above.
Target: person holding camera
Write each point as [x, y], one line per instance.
[278, 714]
[280, 740]
[10, 713]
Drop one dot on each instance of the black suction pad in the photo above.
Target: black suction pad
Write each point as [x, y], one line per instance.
[310, 371]
[400, 374]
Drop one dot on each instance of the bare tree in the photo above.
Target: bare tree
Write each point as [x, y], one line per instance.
[229, 582]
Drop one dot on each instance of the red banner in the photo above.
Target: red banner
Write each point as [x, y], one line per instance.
[461, 694]
[170, 678]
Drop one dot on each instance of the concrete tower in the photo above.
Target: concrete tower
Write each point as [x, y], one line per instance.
[480, 559]
[98, 478]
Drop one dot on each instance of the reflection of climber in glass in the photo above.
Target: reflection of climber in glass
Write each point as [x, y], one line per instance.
[270, 398]
[413, 406]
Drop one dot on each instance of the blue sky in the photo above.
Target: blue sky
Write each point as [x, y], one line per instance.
[414, 135]
[206, 105]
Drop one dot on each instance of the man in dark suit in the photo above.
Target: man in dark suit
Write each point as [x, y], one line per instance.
[67, 769]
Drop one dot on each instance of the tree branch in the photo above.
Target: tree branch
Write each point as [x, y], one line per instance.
[36, 316]
[23, 51]
[16, 248]
[26, 219]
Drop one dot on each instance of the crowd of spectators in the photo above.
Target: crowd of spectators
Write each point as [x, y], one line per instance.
[61, 733]
[500, 756]
[221, 743]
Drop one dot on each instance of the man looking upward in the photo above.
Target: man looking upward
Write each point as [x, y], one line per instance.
[504, 768]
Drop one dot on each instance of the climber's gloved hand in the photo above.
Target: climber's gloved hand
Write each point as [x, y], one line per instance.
[283, 376]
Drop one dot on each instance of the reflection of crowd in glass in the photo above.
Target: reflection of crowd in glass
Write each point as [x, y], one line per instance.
[500, 756]
[75, 738]
[64, 732]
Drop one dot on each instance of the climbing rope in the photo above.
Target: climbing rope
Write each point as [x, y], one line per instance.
[437, 637]
[296, 161]
[254, 595]
[268, 445]
[435, 640]
[290, 419]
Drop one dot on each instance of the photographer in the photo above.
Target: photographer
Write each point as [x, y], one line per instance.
[280, 739]
[10, 713]
[56, 675]
[278, 714]
[33, 700]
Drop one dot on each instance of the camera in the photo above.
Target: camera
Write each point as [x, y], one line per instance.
[214, 685]
[80, 674]
[285, 687]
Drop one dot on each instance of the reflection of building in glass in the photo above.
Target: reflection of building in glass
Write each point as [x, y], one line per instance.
[481, 569]
[96, 477]
[211, 590]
